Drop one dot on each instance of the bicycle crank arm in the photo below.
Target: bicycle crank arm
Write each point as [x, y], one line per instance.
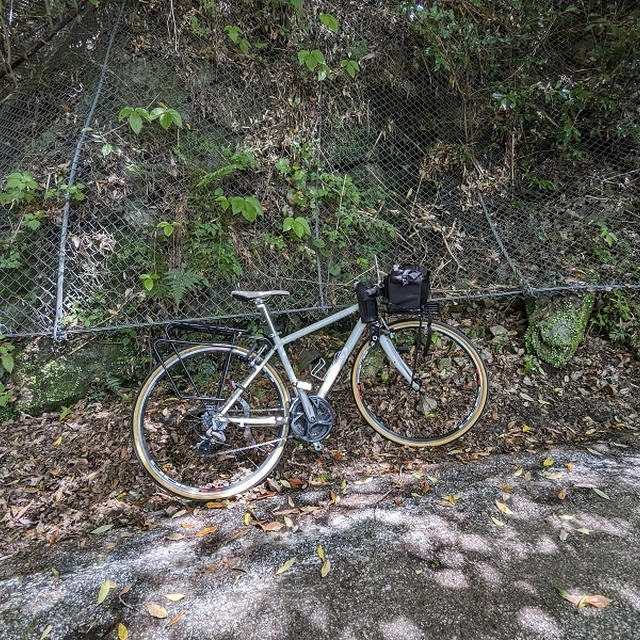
[398, 362]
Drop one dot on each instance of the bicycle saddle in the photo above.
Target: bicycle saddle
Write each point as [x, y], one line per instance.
[248, 296]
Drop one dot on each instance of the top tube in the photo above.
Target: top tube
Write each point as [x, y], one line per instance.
[325, 322]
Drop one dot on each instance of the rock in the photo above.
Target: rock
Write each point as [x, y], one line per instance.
[498, 330]
[50, 375]
[557, 326]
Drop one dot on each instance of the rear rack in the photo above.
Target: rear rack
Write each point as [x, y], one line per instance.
[172, 344]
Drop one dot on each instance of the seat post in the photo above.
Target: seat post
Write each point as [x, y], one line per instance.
[265, 312]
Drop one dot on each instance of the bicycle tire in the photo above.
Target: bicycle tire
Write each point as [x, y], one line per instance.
[383, 396]
[169, 411]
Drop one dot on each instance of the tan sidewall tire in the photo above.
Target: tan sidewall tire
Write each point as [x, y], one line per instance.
[436, 442]
[138, 441]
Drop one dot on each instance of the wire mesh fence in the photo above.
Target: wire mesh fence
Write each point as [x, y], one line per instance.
[157, 156]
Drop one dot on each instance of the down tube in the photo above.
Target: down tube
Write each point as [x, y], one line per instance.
[342, 357]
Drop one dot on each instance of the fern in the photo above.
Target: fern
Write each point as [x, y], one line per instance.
[179, 281]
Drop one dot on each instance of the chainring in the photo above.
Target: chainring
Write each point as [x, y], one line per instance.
[311, 431]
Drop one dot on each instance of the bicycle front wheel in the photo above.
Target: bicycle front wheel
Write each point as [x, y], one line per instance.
[450, 374]
[178, 440]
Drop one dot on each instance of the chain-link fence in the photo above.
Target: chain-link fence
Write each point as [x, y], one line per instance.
[157, 155]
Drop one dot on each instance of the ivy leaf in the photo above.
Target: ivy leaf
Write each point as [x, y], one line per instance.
[7, 362]
[329, 21]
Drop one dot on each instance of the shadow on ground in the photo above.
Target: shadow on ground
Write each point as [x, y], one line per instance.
[407, 560]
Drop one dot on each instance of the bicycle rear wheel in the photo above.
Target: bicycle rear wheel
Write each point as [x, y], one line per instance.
[175, 410]
[451, 375]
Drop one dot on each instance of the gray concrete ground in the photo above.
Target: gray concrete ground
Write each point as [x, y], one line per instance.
[403, 563]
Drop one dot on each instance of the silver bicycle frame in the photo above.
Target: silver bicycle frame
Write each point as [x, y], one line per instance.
[301, 387]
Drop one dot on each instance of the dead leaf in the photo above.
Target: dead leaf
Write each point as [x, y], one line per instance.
[288, 521]
[547, 462]
[497, 522]
[177, 514]
[552, 475]
[271, 526]
[123, 632]
[562, 494]
[157, 611]
[126, 589]
[215, 505]
[583, 530]
[320, 552]
[206, 531]
[569, 466]
[55, 572]
[102, 529]
[296, 482]
[334, 497]
[286, 566]
[518, 472]
[46, 631]
[601, 493]
[174, 619]
[187, 525]
[174, 597]
[105, 587]
[326, 567]
[239, 534]
[247, 517]
[503, 509]
[580, 601]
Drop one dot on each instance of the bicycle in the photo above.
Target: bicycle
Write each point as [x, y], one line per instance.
[212, 419]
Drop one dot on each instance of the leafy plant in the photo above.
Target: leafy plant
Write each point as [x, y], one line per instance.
[236, 36]
[314, 61]
[148, 280]
[66, 191]
[167, 228]
[299, 226]
[329, 21]
[179, 281]
[352, 67]
[6, 358]
[239, 160]
[606, 234]
[136, 116]
[19, 187]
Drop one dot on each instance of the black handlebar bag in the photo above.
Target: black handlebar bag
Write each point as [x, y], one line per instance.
[407, 289]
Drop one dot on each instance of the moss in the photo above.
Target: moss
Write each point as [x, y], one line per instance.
[556, 327]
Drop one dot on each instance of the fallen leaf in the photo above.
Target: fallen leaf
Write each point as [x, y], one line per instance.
[46, 631]
[174, 619]
[286, 566]
[105, 587]
[247, 518]
[174, 597]
[365, 481]
[518, 472]
[593, 451]
[55, 572]
[206, 531]
[271, 526]
[503, 509]
[123, 632]
[102, 529]
[547, 462]
[562, 494]
[177, 514]
[296, 482]
[239, 534]
[601, 493]
[563, 535]
[326, 567]
[215, 505]
[157, 611]
[126, 589]
[187, 525]
[569, 466]
[497, 522]
[334, 497]
[580, 601]
[320, 552]
[288, 521]
[552, 475]
[566, 516]
[583, 530]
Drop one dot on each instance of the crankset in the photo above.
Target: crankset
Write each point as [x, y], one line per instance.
[309, 431]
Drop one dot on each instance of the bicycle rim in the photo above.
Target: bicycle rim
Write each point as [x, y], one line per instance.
[453, 386]
[171, 417]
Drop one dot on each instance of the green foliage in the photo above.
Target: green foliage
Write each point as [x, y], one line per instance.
[179, 281]
[64, 191]
[167, 228]
[236, 36]
[606, 234]
[315, 62]
[148, 280]
[298, 226]
[618, 315]
[136, 116]
[329, 21]
[19, 187]
[239, 160]
[6, 358]
[352, 67]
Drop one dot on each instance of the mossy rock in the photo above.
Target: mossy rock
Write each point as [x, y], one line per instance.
[557, 326]
[51, 376]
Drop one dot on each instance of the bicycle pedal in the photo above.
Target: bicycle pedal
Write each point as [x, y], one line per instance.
[318, 446]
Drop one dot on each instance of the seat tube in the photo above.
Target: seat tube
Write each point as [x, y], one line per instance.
[267, 318]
